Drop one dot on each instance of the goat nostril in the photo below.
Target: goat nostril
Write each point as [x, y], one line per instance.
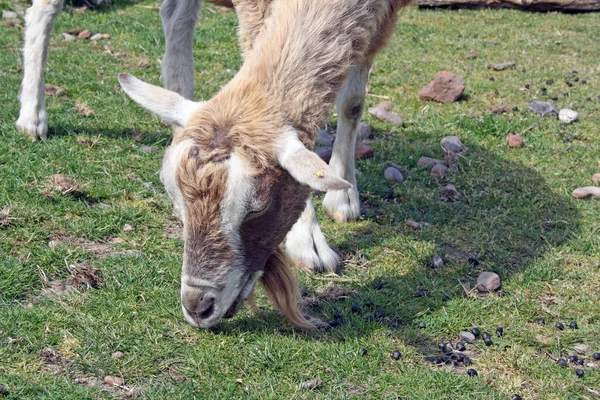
[202, 305]
[207, 304]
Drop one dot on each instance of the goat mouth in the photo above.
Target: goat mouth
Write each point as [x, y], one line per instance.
[246, 290]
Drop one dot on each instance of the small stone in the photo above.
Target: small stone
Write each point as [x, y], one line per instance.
[421, 325]
[452, 144]
[355, 309]
[568, 116]
[386, 105]
[591, 192]
[393, 174]
[97, 36]
[579, 373]
[543, 108]
[9, 14]
[439, 170]
[596, 179]
[449, 193]
[325, 153]
[476, 332]
[500, 331]
[467, 337]
[573, 325]
[324, 139]
[113, 380]
[363, 352]
[428, 162]
[311, 384]
[446, 87]
[514, 141]
[503, 66]
[147, 149]
[471, 372]
[562, 362]
[117, 354]
[488, 282]
[68, 37]
[361, 151]
[396, 355]
[54, 243]
[416, 225]
[363, 131]
[559, 326]
[581, 348]
[85, 34]
[437, 261]
[386, 116]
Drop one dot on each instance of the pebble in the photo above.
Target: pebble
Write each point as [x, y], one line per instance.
[113, 380]
[324, 139]
[437, 261]
[393, 174]
[361, 150]
[68, 37]
[428, 162]
[543, 108]
[363, 131]
[446, 87]
[416, 225]
[86, 34]
[396, 355]
[9, 14]
[452, 144]
[559, 326]
[514, 141]
[386, 116]
[488, 282]
[386, 105]
[596, 178]
[467, 337]
[439, 170]
[97, 36]
[503, 66]
[117, 354]
[568, 116]
[471, 372]
[591, 192]
[311, 384]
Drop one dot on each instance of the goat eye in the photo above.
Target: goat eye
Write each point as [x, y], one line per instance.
[257, 212]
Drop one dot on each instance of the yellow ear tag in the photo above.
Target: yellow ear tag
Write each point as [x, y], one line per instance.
[320, 174]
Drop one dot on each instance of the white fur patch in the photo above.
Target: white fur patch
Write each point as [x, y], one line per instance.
[168, 177]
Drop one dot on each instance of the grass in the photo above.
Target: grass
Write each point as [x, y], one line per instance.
[518, 218]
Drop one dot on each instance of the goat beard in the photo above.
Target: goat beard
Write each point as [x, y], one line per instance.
[281, 288]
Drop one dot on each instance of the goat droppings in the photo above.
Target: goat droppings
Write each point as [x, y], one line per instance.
[500, 331]
[579, 373]
[516, 397]
[472, 372]
[396, 355]
[573, 325]
[562, 362]
[559, 326]
[363, 351]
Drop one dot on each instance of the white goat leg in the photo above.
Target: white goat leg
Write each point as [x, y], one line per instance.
[306, 244]
[39, 21]
[344, 205]
[179, 18]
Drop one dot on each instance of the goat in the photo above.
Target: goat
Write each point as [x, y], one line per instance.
[241, 172]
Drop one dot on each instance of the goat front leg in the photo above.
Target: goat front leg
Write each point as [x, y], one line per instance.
[344, 205]
[306, 245]
[39, 21]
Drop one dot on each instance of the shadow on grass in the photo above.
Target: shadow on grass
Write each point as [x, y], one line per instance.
[508, 219]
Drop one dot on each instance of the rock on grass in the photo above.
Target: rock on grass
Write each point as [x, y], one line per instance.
[362, 151]
[588, 192]
[488, 282]
[514, 141]
[85, 34]
[543, 108]
[113, 380]
[428, 162]
[568, 116]
[452, 144]
[393, 174]
[439, 170]
[596, 179]
[386, 116]
[467, 337]
[446, 87]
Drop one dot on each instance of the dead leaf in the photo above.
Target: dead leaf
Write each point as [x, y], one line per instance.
[83, 108]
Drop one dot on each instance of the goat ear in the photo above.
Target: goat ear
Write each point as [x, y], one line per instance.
[306, 166]
[169, 106]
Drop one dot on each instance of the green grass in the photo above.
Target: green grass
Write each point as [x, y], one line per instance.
[548, 270]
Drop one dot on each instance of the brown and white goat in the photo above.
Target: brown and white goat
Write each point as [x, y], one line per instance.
[241, 172]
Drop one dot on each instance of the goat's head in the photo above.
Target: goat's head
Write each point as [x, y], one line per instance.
[237, 201]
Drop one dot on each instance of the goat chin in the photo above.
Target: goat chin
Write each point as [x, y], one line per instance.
[281, 287]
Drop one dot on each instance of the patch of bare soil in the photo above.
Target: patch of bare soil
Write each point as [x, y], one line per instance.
[65, 184]
[53, 360]
[327, 294]
[5, 219]
[82, 277]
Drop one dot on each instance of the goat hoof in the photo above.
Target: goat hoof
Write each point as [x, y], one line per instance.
[342, 205]
[35, 128]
